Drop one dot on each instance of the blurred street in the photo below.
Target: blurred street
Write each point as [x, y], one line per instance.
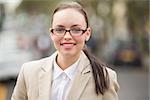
[133, 85]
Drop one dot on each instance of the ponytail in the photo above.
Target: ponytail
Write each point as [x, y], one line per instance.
[100, 73]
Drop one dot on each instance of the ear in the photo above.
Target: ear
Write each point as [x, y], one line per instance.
[88, 33]
[50, 33]
[87, 39]
[50, 30]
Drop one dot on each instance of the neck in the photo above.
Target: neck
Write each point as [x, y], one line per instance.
[65, 61]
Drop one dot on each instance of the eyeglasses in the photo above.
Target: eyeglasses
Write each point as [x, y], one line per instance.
[73, 32]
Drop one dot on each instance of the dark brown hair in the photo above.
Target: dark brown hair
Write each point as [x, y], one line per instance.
[100, 73]
[73, 5]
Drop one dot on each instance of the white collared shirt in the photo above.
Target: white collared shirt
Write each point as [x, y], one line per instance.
[61, 80]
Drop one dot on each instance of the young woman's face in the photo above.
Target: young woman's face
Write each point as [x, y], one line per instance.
[68, 44]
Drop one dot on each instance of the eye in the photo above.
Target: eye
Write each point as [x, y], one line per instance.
[59, 30]
[76, 30]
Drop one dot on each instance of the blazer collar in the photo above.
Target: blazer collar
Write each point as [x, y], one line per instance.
[83, 64]
[45, 77]
[48, 63]
[81, 78]
[83, 68]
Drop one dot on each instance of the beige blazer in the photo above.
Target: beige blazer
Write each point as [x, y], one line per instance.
[34, 82]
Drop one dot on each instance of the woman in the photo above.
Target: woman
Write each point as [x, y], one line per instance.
[71, 73]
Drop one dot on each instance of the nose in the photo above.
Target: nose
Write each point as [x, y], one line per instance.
[67, 35]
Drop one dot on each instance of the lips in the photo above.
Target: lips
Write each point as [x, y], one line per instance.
[68, 44]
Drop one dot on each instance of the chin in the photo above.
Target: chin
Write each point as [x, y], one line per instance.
[70, 53]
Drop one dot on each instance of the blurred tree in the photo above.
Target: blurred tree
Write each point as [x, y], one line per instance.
[138, 18]
[2, 15]
[36, 6]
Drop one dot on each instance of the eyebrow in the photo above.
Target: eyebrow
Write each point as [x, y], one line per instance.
[60, 26]
[75, 25]
[71, 26]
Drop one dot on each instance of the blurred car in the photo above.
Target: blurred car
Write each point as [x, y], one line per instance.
[127, 54]
[13, 53]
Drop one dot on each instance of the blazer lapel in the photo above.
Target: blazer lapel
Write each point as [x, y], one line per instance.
[45, 77]
[81, 79]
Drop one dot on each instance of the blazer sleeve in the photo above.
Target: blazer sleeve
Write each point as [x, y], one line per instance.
[111, 93]
[20, 92]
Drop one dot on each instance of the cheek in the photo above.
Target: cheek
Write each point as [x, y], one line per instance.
[56, 40]
[80, 40]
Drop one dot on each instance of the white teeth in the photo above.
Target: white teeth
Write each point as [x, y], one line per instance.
[68, 44]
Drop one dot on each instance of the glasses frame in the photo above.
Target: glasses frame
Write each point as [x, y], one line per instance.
[83, 31]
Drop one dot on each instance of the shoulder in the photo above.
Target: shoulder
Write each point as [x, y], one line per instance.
[113, 79]
[32, 68]
[112, 73]
[36, 65]
[40, 62]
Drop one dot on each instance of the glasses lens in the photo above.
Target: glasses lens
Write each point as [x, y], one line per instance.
[59, 31]
[76, 32]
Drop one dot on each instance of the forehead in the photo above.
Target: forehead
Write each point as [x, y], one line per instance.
[68, 17]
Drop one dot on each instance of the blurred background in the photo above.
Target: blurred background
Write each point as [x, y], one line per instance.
[121, 32]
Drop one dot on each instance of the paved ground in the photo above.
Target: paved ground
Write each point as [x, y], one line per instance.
[133, 85]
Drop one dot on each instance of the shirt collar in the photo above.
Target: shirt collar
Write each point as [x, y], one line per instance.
[69, 71]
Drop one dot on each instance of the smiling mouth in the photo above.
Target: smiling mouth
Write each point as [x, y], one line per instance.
[68, 44]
